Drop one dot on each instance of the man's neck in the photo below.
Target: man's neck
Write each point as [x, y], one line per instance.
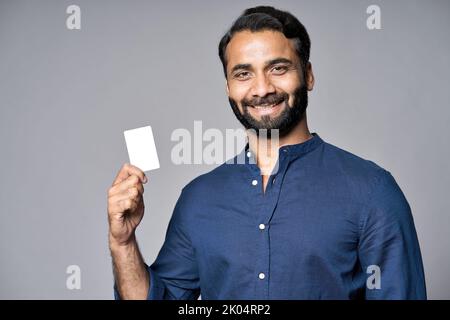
[266, 150]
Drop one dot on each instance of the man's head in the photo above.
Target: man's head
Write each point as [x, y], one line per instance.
[265, 57]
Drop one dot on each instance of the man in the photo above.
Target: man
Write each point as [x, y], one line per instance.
[308, 221]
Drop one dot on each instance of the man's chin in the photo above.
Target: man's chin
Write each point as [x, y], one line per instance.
[264, 125]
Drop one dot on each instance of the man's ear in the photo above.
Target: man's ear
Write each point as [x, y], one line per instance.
[226, 87]
[309, 77]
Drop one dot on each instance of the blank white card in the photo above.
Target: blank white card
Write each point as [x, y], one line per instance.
[141, 148]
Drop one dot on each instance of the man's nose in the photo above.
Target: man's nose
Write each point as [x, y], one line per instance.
[262, 86]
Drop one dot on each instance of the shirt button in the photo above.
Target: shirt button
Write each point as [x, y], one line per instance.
[249, 154]
[262, 226]
[254, 182]
[262, 276]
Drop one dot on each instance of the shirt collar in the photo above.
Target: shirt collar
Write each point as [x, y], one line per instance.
[294, 150]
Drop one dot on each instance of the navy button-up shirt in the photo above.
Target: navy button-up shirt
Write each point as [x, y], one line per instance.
[330, 225]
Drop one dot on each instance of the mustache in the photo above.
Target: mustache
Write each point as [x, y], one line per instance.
[275, 98]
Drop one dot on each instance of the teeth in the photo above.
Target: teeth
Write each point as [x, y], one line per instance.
[265, 106]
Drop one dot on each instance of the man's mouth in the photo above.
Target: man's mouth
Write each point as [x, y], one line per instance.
[265, 109]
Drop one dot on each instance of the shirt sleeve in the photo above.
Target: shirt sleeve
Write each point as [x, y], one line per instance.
[174, 273]
[389, 250]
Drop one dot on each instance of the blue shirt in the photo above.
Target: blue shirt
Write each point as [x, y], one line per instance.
[330, 225]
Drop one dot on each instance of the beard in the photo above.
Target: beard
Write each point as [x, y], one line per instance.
[289, 117]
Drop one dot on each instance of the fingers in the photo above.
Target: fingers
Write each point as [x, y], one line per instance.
[128, 170]
[129, 183]
[122, 203]
[126, 192]
[132, 193]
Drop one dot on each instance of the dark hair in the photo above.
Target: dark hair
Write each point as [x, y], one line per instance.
[268, 18]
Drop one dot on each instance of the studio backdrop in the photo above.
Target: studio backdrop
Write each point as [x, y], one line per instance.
[74, 75]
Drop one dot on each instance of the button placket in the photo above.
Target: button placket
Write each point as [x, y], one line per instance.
[269, 202]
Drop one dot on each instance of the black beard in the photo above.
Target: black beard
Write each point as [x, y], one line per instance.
[285, 122]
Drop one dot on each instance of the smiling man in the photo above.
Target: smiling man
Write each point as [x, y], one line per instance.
[325, 224]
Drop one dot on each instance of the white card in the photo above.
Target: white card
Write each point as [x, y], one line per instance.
[141, 148]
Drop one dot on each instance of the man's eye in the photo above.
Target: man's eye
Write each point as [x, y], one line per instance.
[279, 69]
[242, 75]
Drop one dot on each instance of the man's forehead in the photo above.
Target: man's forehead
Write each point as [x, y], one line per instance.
[247, 47]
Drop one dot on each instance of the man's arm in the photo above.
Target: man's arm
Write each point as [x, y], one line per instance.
[389, 244]
[125, 212]
[130, 272]
[174, 274]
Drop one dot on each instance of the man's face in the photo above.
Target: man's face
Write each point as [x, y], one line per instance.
[265, 82]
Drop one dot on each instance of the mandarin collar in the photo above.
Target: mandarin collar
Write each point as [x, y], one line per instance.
[293, 150]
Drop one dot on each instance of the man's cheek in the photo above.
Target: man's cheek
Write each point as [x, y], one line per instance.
[291, 100]
[238, 101]
[239, 92]
[241, 107]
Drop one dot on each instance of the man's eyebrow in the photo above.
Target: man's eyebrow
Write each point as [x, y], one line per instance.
[248, 66]
[278, 60]
[241, 66]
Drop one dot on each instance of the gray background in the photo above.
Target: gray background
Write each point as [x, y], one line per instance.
[67, 96]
